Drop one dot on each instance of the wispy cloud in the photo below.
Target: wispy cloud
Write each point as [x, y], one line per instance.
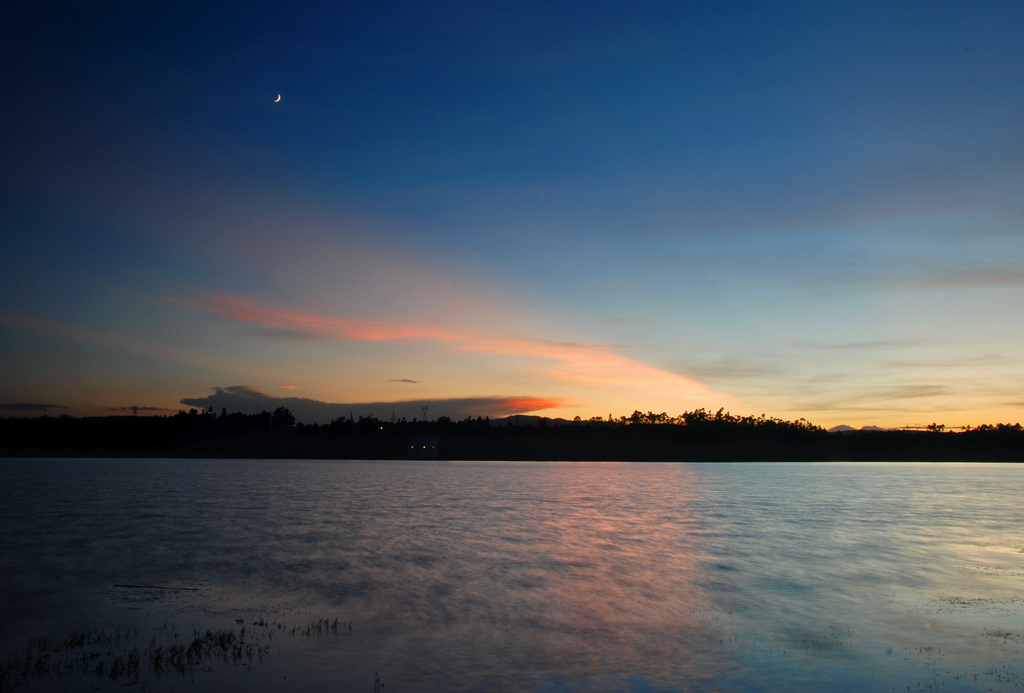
[879, 399]
[31, 407]
[594, 364]
[113, 341]
[876, 344]
[625, 320]
[403, 380]
[733, 369]
[286, 335]
[132, 409]
[985, 278]
[984, 360]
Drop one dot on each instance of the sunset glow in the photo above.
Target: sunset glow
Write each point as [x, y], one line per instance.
[801, 212]
[589, 364]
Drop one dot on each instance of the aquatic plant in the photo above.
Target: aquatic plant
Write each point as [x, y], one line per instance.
[122, 654]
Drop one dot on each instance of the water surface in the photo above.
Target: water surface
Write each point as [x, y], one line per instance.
[506, 576]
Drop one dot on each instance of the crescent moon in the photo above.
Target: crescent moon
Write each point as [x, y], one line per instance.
[277, 99]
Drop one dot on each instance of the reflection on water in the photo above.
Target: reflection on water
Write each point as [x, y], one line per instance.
[523, 576]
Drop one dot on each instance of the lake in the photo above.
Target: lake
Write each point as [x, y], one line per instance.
[202, 575]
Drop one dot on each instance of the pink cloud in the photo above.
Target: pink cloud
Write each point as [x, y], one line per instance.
[594, 364]
[521, 405]
[318, 325]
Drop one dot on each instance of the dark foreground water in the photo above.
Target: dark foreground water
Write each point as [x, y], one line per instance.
[472, 576]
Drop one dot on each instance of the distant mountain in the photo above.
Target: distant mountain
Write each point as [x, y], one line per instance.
[529, 420]
[843, 428]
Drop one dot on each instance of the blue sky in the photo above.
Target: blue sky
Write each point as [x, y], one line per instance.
[801, 209]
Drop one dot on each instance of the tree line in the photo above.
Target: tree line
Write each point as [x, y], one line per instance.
[698, 435]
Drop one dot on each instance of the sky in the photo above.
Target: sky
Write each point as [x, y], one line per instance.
[802, 209]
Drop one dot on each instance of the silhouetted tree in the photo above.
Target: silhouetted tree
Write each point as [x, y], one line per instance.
[282, 418]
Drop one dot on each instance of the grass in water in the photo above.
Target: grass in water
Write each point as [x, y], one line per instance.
[121, 655]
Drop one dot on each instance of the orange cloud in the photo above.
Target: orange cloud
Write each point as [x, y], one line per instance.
[593, 364]
[527, 404]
